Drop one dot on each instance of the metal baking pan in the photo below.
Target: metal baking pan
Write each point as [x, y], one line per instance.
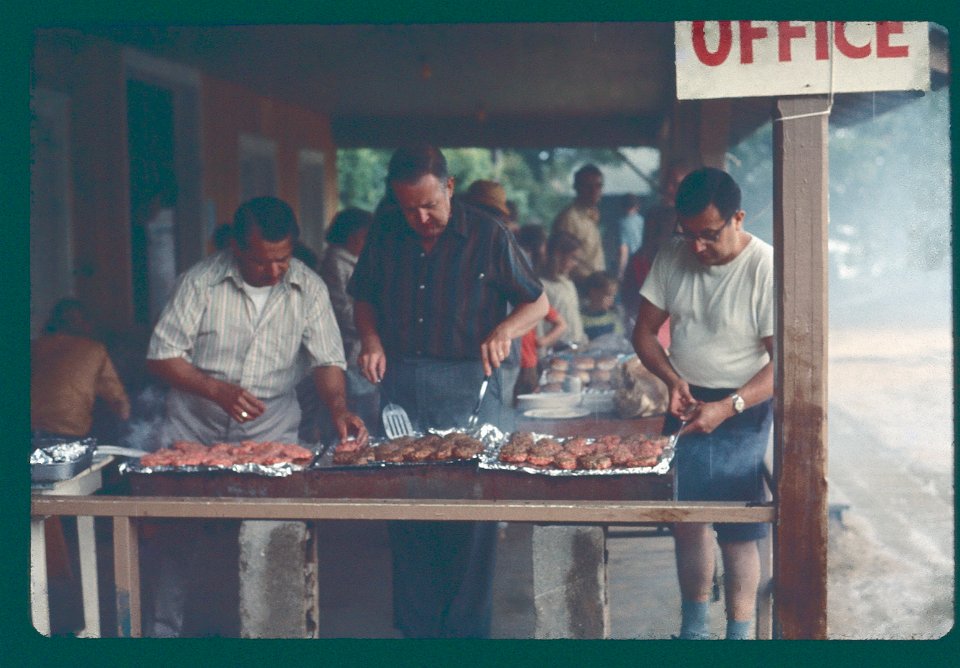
[57, 471]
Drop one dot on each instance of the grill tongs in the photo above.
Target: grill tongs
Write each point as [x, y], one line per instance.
[475, 416]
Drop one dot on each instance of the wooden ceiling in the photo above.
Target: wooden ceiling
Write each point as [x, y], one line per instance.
[490, 84]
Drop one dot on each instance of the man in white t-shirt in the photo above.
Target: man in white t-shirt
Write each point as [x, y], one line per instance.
[715, 283]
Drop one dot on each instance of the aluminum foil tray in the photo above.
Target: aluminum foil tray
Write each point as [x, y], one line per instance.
[272, 470]
[61, 461]
[487, 434]
[490, 460]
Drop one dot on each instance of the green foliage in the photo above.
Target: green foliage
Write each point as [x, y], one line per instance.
[540, 181]
[467, 165]
[360, 175]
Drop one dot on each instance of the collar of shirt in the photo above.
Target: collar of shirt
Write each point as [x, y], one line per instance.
[227, 269]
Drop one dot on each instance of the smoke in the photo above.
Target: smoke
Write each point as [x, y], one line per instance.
[146, 415]
[889, 251]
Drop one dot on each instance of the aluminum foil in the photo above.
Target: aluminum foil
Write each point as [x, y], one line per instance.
[488, 435]
[273, 470]
[62, 453]
[490, 459]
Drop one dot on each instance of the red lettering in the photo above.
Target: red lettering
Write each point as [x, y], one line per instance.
[844, 45]
[786, 31]
[821, 30]
[748, 33]
[723, 46]
[884, 30]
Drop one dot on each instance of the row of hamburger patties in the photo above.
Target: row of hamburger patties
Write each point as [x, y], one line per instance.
[593, 372]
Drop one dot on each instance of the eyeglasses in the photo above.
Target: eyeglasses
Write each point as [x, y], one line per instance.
[707, 236]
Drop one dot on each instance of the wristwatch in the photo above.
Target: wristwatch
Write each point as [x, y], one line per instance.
[738, 403]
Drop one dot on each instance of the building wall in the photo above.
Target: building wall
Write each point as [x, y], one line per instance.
[91, 72]
[230, 111]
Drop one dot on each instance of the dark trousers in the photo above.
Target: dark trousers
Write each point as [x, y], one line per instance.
[443, 578]
[442, 571]
[190, 578]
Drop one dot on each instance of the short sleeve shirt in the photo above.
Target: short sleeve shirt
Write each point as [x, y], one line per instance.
[719, 315]
[211, 322]
[444, 303]
[583, 223]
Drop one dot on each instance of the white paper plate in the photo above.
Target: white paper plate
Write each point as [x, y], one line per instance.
[557, 413]
[545, 400]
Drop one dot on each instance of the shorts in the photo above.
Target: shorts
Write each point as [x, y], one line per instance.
[727, 464]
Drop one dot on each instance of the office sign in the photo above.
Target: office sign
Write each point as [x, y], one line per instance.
[759, 58]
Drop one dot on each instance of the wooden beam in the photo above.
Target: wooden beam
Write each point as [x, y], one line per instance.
[612, 130]
[800, 434]
[595, 512]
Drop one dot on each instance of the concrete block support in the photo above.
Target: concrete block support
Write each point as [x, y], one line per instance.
[278, 580]
[570, 582]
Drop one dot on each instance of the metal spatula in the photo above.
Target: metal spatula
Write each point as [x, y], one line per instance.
[121, 451]
[396, 422]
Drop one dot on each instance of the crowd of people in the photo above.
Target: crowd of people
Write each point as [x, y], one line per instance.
[419, 302]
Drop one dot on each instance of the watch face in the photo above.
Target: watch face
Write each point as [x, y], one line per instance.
[738, 403]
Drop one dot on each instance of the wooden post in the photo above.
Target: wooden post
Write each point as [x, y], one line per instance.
[714, 132]
[39, 594]
[800, 434]
[126, 557]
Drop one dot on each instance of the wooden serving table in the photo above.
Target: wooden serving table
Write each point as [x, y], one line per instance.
[562, 537]
[84, 483]
[565, 513]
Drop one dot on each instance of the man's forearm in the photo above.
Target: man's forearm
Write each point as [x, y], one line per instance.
[365, 320]
[331, 387]
[182, 375]
[759, 388]
[525, 316]
[654, 358]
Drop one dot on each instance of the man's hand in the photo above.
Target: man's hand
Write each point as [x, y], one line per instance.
[350, 426]
[238, 403]
[331, 388]
[494, 349]
[235, 401]
[372, 360]
[681, 401]
[708, 416]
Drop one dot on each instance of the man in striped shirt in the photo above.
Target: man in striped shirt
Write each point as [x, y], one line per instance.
[242, 328]
[431, 291]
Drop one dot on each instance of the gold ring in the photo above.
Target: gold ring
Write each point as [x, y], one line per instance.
[244, 414]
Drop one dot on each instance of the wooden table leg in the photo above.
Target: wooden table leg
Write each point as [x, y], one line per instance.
[126, 556]
[39, 596]
[86, 539]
